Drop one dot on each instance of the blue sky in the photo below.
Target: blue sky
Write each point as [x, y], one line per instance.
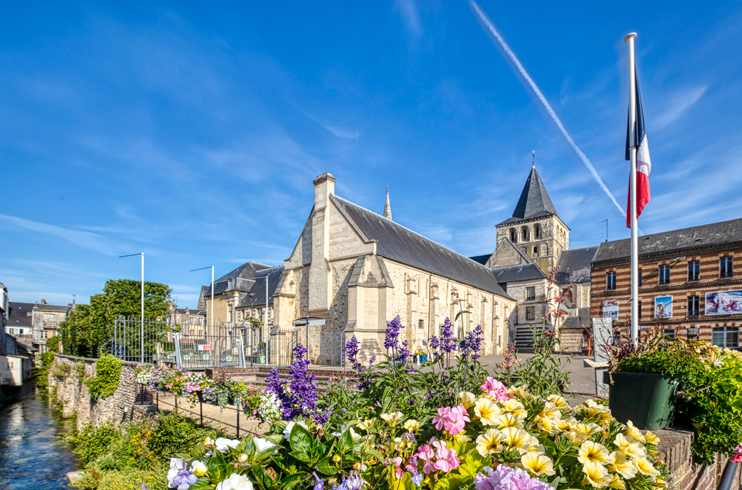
[192, 131]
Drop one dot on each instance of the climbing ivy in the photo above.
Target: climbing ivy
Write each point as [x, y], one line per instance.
[80, 367]
[107, 376]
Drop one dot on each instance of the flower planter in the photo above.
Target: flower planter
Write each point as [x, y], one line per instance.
[648, 400]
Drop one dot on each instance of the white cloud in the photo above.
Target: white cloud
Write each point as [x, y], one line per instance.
[81, 238]
[410, 15]
[677, 105]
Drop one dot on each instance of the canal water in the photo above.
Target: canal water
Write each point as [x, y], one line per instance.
[32, 456]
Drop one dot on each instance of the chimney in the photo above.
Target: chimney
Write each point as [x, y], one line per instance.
[320, 279]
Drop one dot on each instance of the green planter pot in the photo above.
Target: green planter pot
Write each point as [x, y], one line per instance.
[648, 400]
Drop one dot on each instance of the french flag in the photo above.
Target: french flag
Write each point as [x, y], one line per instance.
[638, 139]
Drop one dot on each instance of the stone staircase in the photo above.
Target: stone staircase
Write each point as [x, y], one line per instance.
[524, 336]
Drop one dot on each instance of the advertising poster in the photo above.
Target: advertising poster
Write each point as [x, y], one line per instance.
[663, 307]
[724, 302]
[610, 310]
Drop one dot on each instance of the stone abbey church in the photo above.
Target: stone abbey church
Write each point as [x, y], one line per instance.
[354, 270]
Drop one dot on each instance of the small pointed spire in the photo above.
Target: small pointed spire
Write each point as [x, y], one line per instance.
[387, 207]
[534, 158]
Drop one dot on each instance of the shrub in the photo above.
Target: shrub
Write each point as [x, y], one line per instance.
[91, 443]
[175, 434]
[42, 372]
[132, 479]
[107, 376]
[53, 344]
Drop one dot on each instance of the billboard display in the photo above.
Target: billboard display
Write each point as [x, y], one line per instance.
[724, 303]
[610, 309]
[663, 307]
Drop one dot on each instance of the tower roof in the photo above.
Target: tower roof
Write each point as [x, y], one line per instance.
[387, 206]
[534, 201]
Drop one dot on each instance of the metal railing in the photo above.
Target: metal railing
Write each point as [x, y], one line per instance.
[226, 345]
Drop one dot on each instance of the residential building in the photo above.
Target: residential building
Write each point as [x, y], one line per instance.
[191, 321]
[691, 282]
[33, 323]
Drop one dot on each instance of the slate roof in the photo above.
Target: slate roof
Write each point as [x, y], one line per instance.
[482, 259]
[191, 311]
[258, 289]
[246, 270]
[534, 201]
[523, 272]
[583, 320]
[48, 307]
[17, 314]
[715, 233]
[574, 265]
[395, 242]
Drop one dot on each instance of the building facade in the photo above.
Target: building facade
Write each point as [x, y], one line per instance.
[354, 270]
[690, 282]
[192, 322]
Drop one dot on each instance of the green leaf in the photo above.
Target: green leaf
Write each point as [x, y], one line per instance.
[345, 442]
[326, 467]
[202, 484]
[262, 477]
[300, 439]
[301, 456]
[217, 469]
[274, 438]
[292, 480]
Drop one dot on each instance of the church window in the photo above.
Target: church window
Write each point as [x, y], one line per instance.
[530, 313]
[535, 251]
[524, 234]
[513, 235]
[531, 292]
[537, 232]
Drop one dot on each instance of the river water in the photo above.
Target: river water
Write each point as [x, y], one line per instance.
[32, 457]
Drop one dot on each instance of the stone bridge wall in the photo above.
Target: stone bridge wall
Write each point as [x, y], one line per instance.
[74, 396]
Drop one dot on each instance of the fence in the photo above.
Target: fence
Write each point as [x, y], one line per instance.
[226, 345]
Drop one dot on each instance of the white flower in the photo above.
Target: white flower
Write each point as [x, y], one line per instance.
[176, 466]
[198, 468]
[223, 444]
[290, 425]
[270, 407]
[353, 434]
[235, 482]
[262, 444]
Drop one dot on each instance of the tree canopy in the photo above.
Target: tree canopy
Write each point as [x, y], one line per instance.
[88, 327]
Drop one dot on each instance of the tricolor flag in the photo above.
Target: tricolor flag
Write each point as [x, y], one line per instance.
[638, 139]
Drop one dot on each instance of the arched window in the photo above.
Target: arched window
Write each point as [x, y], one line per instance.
[513, 235]
[537, 231]
[570, 296]
[524, 234]
[535, 251]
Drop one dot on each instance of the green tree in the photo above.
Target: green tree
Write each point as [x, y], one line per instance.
[86, 331]
[78, 334]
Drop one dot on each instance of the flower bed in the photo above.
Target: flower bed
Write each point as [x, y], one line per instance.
[447, 426]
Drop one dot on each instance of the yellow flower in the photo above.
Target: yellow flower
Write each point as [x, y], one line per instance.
[509, 420]
[462, 438]
[412, 426]
[538, 464]
[547, 425]
[487, 411]
[519, 392]
[651, 438]
[392, 418]
[617, 483]
[198, 468]
[490, 442]
[550, 411]
[515, 407]
[566, 425]
[467, 399]
[621, 465]
[635, 433]
[588, 429]
[517, 438]
[366, 424]
[592, 452]
[560, 402]
[576, 437]
[628, 447]
[646, 468]
[596, 475]
[659, 483]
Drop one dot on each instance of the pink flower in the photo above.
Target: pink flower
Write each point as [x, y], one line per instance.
[426, 454]
[398, 463]
[455, 420]
[447, 459]
[412, 464]
[439, 421]
[736, 456]
[495, 389]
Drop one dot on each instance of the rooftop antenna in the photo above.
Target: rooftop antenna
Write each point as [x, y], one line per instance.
[606, 228]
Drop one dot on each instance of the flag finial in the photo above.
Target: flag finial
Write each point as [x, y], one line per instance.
[534, 158]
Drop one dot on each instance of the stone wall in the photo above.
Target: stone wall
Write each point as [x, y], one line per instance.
[74, 396]
[685, 474]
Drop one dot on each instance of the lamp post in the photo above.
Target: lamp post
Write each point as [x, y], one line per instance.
[141, 318]
[211, 316]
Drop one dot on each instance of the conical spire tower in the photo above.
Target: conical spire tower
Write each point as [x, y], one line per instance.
[387, 207]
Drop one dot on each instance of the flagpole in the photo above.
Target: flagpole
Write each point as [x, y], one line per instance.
[629, 39]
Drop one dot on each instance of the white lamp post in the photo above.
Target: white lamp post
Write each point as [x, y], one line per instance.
[141, 344]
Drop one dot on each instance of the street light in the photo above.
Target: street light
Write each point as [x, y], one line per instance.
[141, 353]
[211, 316]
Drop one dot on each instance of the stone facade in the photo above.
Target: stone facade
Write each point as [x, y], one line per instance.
[74, 395]
[542, 239]
[337, 275]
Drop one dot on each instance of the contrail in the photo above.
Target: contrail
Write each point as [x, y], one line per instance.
[521, 69]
